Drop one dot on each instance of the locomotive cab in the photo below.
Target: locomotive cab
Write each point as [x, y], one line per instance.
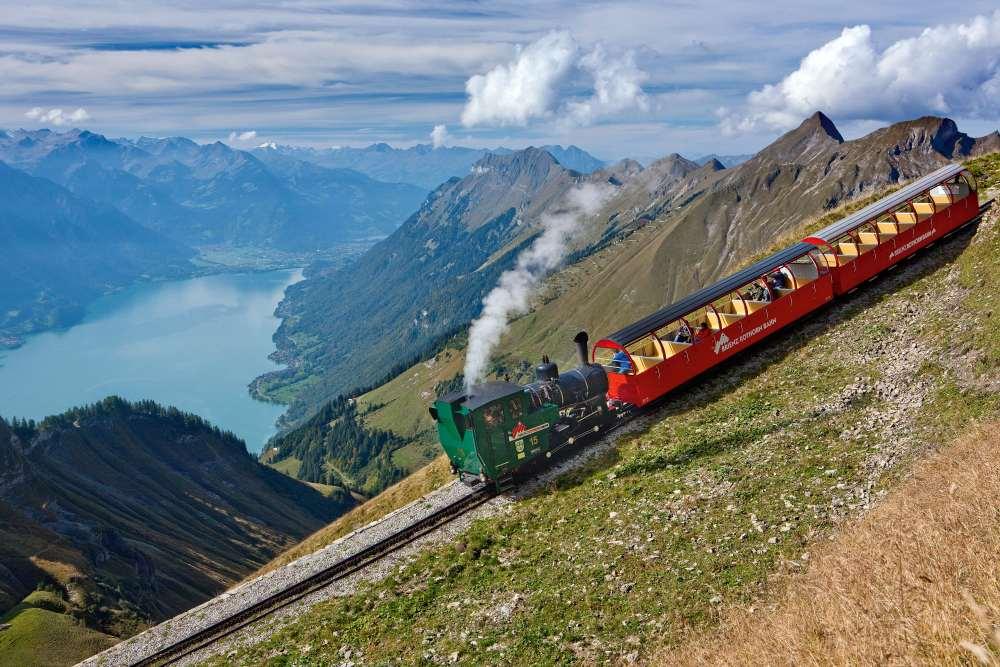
[492, 430]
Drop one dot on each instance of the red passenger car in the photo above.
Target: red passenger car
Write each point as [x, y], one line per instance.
[664, 350]
[657, 354]
[893, 228]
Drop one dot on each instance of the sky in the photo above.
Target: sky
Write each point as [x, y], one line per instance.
[639, 79]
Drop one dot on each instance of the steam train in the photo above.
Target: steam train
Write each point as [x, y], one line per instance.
[498, 429]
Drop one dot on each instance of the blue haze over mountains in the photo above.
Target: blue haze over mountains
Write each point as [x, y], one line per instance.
[84, 214]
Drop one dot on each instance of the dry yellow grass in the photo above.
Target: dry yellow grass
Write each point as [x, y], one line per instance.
[917, 581]
[433, 475]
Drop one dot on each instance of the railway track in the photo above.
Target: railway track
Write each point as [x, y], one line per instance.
[339, 570]
[356, 562]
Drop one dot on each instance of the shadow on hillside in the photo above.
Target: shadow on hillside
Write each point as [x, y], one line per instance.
[732, 373]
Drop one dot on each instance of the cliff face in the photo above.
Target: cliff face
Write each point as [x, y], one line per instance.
[139, 511]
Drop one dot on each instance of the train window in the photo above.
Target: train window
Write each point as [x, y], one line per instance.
[606, 357]
[493, 415]
[723, 312]
[645, 352]
[514, 409]
[695, 320]
[675, 332]
[803, 271]
[782, 281]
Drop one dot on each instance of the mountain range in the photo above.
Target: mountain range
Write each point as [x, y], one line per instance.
[422, 165]
[129, 513]
[668, 229]
[212, 194]
[60, 251]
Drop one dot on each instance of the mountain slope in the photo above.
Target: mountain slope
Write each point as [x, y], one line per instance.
[421, 283]
[61, 250]
[744, 475]
[134, 512]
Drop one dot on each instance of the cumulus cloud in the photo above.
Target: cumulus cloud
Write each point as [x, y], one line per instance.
[439, 135]
[531, 86]
[242, 137]
[523, 89]
[946, 69]
[513, 293]
[57, 116]
[617, 86]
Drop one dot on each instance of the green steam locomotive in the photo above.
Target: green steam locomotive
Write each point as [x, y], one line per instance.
[496, 429]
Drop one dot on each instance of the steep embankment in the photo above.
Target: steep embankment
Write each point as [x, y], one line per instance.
[740, 475]
[132, 513]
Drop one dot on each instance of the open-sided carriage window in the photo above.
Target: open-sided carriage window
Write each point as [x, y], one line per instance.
[605, 357]
[954, 190]
[723, 311]
[869, 237]
[695, 320]
[645, 352]
[924, 205]
[818, 266]
[752, 297]
[905, 216]
[781, 281]
[886, 224]
[803, 270]
[675, 337]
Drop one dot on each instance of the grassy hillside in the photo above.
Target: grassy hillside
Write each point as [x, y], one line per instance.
[42, 633]
[133, 512]
[915, 579]
[735, 478]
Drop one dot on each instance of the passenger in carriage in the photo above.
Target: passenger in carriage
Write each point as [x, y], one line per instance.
[756, 292]
[683, 334]
[621, 362]
[703, 333]
[780, 279]
[772, 288]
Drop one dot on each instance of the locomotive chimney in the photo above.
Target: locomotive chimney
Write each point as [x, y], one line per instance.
[581, 348]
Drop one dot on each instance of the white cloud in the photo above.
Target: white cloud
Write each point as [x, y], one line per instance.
[946, 69]
[439, 135]
[57, 116]
[242, 137]
[525, 88]
[617, 86]
[531, 86]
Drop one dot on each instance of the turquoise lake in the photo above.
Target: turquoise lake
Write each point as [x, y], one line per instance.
[195, 344]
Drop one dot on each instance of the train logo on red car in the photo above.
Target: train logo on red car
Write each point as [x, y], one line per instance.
[518, 430]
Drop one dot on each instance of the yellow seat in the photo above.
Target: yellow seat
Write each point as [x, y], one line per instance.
[848, 249]
[644, 363]
[924, 208]
[673, 348]
[873, 238]
[905, 218]
[829, 259]
[748, 306]
[886, 228]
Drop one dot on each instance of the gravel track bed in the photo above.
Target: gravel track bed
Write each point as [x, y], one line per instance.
[239, 598]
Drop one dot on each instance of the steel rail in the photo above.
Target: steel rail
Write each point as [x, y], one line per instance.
[339, 570]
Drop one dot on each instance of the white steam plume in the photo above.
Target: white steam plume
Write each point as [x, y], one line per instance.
[512, 295]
